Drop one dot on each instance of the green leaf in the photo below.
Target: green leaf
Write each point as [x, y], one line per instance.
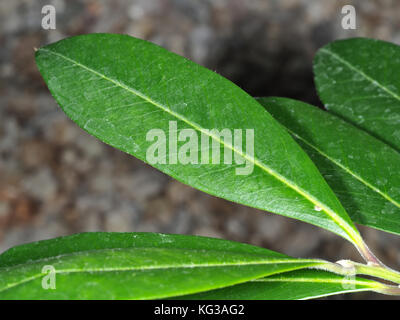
[134, 266]
[361, 170]
[295, 285]
[118, 88]
[358, 79]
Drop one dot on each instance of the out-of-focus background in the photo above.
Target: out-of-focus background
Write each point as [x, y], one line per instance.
[56, 180]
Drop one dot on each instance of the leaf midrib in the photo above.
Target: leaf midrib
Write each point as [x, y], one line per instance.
[321, 280]
[172, 266]
[88, 251]
[353, 235]
[313, 263]
[368, 286]
[259, 258]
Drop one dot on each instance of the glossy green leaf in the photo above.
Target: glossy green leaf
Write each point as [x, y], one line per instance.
[359, 80]
[295, 285]
[361, 170]
[119, 88]
[134, 266]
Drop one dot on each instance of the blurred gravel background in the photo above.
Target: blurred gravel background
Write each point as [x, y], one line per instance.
[56, 180]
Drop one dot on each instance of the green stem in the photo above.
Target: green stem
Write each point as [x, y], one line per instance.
[374, 267]
[351, 268]
[378, 272]
[389, 290]
[348, 267]
[366, 252]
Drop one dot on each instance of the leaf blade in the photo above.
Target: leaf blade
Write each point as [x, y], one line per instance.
[134, 266]
[170, 88]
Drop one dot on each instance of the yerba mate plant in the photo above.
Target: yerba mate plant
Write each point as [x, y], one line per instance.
[329, 168]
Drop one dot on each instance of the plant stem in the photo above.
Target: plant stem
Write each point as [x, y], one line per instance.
[348, 267]
[351, 268]
[378, 272]
[374, 266]
[389, 290]
[366, 253]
